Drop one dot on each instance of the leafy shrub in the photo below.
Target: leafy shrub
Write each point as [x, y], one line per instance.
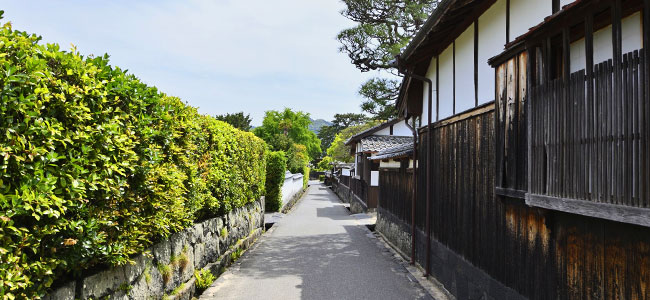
[305, 177]
[321, 177]
[96, 166]
[275, 168]
[297, 158]
[204, 278]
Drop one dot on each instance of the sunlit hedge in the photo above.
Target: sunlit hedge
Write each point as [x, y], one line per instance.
[275, 169]
[95, 166]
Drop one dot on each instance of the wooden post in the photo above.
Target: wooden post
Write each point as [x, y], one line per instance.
[529, 117]
[589, 55]
[617, 98]
[453, 59]
[437, 89]
[565, 179]
[645, 124]
[507, 21]
[476, 63]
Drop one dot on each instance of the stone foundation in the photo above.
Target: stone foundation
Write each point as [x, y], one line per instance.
[167, 268]
[458, 276]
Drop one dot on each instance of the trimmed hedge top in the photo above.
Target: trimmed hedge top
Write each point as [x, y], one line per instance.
[96, 166]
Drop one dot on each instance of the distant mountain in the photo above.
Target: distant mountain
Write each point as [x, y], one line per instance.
[317, 124]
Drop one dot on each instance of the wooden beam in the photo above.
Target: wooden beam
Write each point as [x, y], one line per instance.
[453, 58]
[507, 21]
[476, 63]
[613, 212]
[437, 88]
[617, 38]
[529, 117]
[510, 193]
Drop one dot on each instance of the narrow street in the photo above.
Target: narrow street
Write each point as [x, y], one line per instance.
[317, 251]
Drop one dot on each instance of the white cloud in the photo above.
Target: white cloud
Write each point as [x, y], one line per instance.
[222, 56]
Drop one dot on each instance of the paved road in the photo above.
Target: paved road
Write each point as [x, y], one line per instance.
[317, 251]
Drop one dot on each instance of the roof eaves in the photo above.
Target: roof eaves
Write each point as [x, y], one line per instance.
[421, 35]
[371, 130]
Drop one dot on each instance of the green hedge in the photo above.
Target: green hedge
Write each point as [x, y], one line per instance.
[305, 177]
[275, 169]
[96, 166]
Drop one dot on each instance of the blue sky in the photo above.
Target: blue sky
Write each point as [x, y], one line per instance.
[220, 56]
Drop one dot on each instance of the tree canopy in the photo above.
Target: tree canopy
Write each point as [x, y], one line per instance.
[237, 120]
[383, 28]
[340, 122]
[282, 129]
[338, 151]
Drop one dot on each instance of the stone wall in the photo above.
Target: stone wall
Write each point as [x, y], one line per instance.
[394, 230]
[356, 205]
[343, 192]
[458, 276]
[167, 268]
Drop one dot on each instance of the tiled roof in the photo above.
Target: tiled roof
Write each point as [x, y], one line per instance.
[377, 143]
[395, 151]
[371, 130]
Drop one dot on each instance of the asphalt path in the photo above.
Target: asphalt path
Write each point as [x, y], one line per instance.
[317, 251]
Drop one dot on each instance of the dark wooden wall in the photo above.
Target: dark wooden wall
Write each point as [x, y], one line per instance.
[510, 135]
[541, 254]
[396, 192]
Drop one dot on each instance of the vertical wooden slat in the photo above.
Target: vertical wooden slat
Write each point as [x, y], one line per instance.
[476, 62]
[453, 59]
[529, 119]
[617, 99]
[589, 56]
[643, 128]
[565, 132]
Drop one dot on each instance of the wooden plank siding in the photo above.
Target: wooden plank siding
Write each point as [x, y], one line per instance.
[539, 253]
[588, 145]
[396, 192]
[511, 143]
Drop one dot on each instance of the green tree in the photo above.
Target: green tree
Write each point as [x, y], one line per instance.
[291, 125]
[237, 120]
[340, 122]
[339, 151]
[297, 158]
[383, 28]
[380, 95]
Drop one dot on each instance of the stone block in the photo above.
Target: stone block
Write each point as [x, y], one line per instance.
[133, 271]
[66, 292]
[186, 271]
[162, 252]
[196, 233]
[199, 255]
[103, 283]
[212, 248]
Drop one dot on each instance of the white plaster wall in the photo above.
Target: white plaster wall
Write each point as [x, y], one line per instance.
[632, 39]
[632, 32]
[385, 131]
[446, 88]
[393, 164]
[525, 14]
[389, 164]
[400, 129]
[565, 2]
[491, 41]
[465, 70]
[431, 74]
[578, 59]
[292, 185]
